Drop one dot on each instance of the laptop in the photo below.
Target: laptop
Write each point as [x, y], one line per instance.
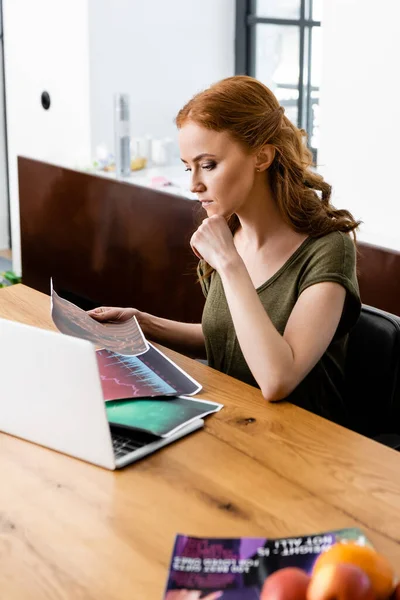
[51, 395]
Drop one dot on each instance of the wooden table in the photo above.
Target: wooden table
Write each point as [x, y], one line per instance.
[71, 530]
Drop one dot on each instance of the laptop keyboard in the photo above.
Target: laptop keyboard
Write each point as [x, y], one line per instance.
[123, 445]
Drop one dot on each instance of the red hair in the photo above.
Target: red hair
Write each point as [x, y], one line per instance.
[246, 109]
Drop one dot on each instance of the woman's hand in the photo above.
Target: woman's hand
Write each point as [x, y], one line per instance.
[112, 314]
[182, 337]
[213, 242]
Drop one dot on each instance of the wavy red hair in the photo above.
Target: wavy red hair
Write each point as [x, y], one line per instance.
[246, 109]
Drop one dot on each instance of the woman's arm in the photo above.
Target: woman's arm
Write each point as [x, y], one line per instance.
[187, 338]
[279, 363]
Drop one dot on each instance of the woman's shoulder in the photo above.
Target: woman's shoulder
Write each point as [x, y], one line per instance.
[331, 257]
[334, 248]
[336, 241]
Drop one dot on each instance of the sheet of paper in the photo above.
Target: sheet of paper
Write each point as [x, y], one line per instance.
[148, 375]
[124, 338]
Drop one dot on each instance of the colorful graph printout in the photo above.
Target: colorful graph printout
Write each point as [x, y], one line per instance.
[148, 375]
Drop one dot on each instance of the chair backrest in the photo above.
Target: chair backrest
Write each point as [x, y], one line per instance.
[373, 373]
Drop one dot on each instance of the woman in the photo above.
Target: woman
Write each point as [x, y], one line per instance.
[277, 263]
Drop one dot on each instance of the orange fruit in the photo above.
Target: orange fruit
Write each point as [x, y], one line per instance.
[374, 565]
[340, 582]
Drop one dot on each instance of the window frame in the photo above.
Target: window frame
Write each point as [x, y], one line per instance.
[245, 52]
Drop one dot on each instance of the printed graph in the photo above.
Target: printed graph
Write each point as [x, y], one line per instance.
[148, 375]
[129, 377]
[125, 338]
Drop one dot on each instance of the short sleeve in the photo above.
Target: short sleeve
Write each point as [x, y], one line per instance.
[334, 259]
[204, 282]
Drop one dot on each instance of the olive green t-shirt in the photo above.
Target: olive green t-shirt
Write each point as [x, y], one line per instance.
[328, 258]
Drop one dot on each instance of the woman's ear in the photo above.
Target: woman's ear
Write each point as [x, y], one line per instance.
[265, 157]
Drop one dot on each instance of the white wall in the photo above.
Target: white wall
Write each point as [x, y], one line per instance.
[360, 125]
[161, 53]
[46, 48]
[4, 234]
[82, 51]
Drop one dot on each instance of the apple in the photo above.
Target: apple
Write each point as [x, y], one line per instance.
[289, 583]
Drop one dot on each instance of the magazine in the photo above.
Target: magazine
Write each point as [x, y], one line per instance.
[161, 418]
[236, 568]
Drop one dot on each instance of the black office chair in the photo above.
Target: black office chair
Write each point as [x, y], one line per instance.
[373, 376]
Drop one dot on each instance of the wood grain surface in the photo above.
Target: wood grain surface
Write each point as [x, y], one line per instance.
[70, 530]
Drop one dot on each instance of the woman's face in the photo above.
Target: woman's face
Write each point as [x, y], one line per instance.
[222, 173]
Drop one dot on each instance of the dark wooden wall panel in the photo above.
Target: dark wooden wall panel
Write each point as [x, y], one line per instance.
[379, 277]
[108, 242]
[113, 243]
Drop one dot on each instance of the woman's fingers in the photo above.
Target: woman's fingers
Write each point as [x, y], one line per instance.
[199, 256]
[192, 245]
[107, 313]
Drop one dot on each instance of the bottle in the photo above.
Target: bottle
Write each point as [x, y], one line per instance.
[168, 144]
[147, 141]
[122, 135]
[158, 153]
[138, 161]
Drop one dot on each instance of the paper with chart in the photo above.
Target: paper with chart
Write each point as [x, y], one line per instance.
[125, 338]
[148, 375]
[129, 366]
